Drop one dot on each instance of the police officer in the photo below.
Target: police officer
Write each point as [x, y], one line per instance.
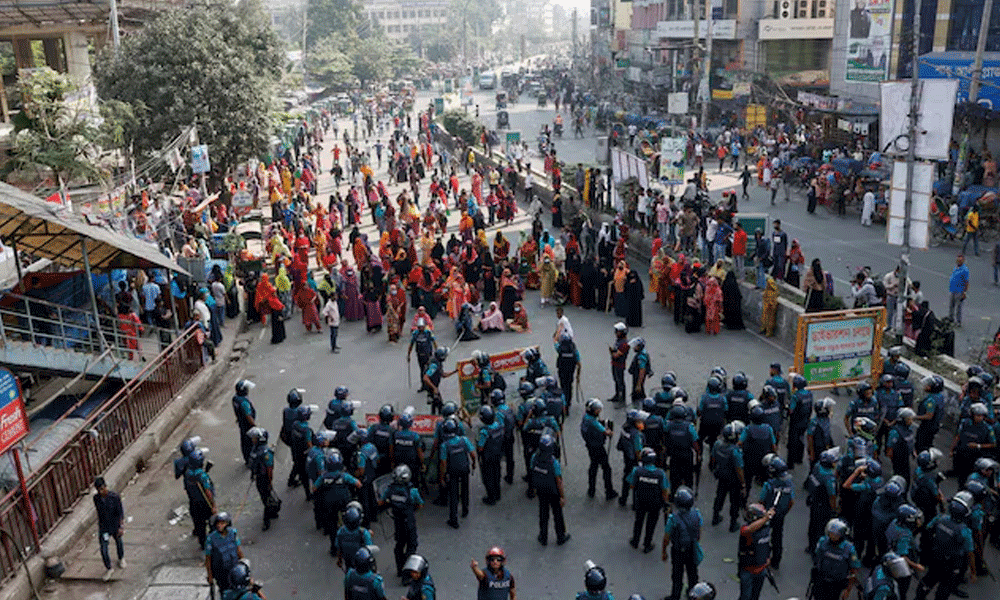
[531, 433]
[904, 386]
[754, 550]
[405, 500]
[595, 580]
[288, 415]
[756, 440]
[457, 459]
[243, 588]
[380, 434]
[448, 412]
[819, 437]
[547, 481]
[664, 398]
[883, 583]
[682, 448]
[505, 414]
[952, 549]
[930, 410]
[333, 492]
[351, 537]
[407, 448]
[900, 539]
[536, 367]
[366, 459]
[423, 340]
[361, 581]
[681, 399]
[653, 431]
[780, 385]
[774, 411]
[835, 564]
[800, 408]
[712, 409]
[985, 473]
[496, 582]
[186, 448]
[262, 473]
[884, 510]
[738, 399]
[416, 576]
[652, 492]
[301, 437]
[683, 528]
[567, 365]
[640, 368]
[889, 404]
[865, 405]
[486, 377]
[334, 408]
[432, 379]
[778, 492]
[726, 463]
[222, 551]
[344, 428]
[594, 433]
[974, 436]
[822, 488]
[489, 444]
[246, 416]
[555, 404]
[619, 354]
[925, 492]
[316, 464]
[200, 493]
[901, 444]
[864, 481]
[630, 444]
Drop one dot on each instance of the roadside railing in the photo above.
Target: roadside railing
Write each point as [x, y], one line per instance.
[55, 487]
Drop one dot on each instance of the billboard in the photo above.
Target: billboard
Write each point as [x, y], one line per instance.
[869, 40]
[841, 346]
[673, 151]
[13, 419]
[958, 66]
[934, 118]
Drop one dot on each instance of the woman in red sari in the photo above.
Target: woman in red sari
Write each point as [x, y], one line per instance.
[261, 301]
[307, 299]
[713, 306]
[501, 248]
[458, 294]
[395, 313]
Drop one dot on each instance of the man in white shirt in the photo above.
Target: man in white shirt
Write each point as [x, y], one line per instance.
[699, 152]
[331, 314]
[562, 325]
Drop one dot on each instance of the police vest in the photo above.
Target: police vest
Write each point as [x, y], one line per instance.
[224, 553]
[678, 440]
[834, 560]
[884, 511]
[180, 465]
[758, 551]
[664, 402]
[590, 432]
[822, 440]
[422, 342]
[593, 596]
[435, 377]
[400, 500]
[713, 412]
[361, 587]
[543, 475]
[315, 462]
[625, 442]
[889, 401]
[258, 462]
[934, 423]
[904, 447]
[724, 455]
[819, 493]
[508, 420]
[773, 415]
[554, 404]
[973, 433]
[343, 427]
[905, 389]
[381, 436]
[737, 409]
[193, 487]
[416, 590]
[493, 447]
[948, 539]
[350, 541]
[535, 370]
[287, 420]
[567, 355]
[458, 455]
[333, 488]
[370, 452]
[758, 443]
[785, 486]
[868, 409]
[404, 448]
[330, 419]
[495, 586]
[803, 408]
[241, 417]
[300, 436]
[925, 490]
[648, 487]
[653, 432]
[687, 529]
[879, 580]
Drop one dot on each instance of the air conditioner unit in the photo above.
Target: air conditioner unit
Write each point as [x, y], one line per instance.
[785, 8]
[803, 9]
[823, 9]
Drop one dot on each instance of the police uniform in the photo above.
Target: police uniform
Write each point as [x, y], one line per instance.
[971, 435]
[367, 460]
[889, 404]
[495, 586]
[421, 589]
[950, 545]
[712, 411]
[536, 368]
[455, 454]
[198, 486]
[899, 539]
[822, 488]
[349, 541]
[240, 594]
[630, 444]
[423, 341]
[490, 446]
[754, 552]
[774, 416]
[727, 463]
[506, 416]
[819, 436]
[684, 528]
[484, 383]
[905, 389]
[555, 404]
[180, 466]
[301, 437]
[545, 473]
[863, 408]
[261, 468]
[593, 433]
[832, 565]
[931, 404]
[343, 427]
[618, 368]
[222, 551]
[245, 414]
[756, 440]
[736, 402]
[799, 408]
[679, 441]
[768, 494]
[881, 586]
[780, 385]
[380, 434]
[333, 492]
[650, 484]
[404, 499]
[405, 444]
[902, 441]
[640, 362]
[567, 358]
[367, 586]
[664, 401]
[652, 437]
[925, 492]
[864, 535]
[434, 372]
[884, 510]
[602, 595]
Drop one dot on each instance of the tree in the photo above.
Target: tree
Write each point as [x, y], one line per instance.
[209, 65]
[329, 66]
[342, 19]
[459, 123]
[370, 61]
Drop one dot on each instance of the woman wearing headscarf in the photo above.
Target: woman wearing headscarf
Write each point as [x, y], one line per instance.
[492, 319]
[559, 256]
[604, 242]
[795, 262]
[422, 314]
[307, 301]
[267, 301]
[557, 213]
[458, 293]
[732, 303]
[694, 293]
[508, 294]
[395, 313]
[501, 247]
[814, 284]
[769, 307]
[520, 321]
[616, 290]
[353, 308]
[283, 285]
[633, 300]
[573, 265]
[713, 306]
[529, 263]
[547, 277]
[372, 306]
[588, 283]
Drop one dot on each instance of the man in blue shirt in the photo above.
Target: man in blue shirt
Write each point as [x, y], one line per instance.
[958, 285]
[458, 459]
[150, 292]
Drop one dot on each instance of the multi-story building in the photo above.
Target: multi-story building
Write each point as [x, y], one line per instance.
[401, 18]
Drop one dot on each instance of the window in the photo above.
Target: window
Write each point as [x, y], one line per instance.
[790, 56]
[966, 18]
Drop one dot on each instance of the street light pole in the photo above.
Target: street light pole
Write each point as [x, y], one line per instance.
[705, 87]
[911, 162]
[977, 74]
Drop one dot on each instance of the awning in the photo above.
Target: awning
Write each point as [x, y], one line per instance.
[48, 230]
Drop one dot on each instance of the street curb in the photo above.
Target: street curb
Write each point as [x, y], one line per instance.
[76, 525]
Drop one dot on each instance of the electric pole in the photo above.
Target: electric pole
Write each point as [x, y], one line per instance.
[911, 163]
[977, 74]
[116, 39]
[705, 86]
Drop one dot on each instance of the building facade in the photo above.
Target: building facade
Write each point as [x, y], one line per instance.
[400, 19]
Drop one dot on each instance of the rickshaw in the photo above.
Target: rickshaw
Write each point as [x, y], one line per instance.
[503, 119]
[501, 100]
[543, 98]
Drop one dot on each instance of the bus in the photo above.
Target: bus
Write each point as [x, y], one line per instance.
[487, 81]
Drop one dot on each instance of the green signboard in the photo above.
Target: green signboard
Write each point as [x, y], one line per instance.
[438, 106]
[833, 370]
[623, 63]
[752, 222]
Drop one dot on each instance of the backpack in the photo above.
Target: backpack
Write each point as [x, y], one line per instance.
[499, 383]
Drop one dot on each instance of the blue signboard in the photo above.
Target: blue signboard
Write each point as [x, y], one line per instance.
[958, 65]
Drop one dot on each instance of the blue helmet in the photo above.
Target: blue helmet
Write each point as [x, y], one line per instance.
[405, 421]
[595, 579]
[196, 459]
[334, 460]
[684, 497]
[648, 405]
[303, 413]
[668, 381]
[486, 414]
[363, 560]
[497, 397]
[188, 446]
[352, 517]
[239, 575]
[450, 427]
[538, 407]
[449, 409]
[294, 398]
[341, 392]
[547, 443]
[526, 389]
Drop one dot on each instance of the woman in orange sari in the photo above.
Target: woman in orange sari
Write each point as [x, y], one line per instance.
[395, 313]
[529, 254]
[262, 296]
[501, 247]
[361, 251]
[458, 293]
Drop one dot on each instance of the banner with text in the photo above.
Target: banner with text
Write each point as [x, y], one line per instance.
[468, 371]
[869, 40]
[839, 346]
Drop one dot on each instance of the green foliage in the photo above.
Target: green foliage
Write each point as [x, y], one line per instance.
[370, 61]
[53, 134]
[344, 20]
[329, 66]
[213, 65]
[461, 124]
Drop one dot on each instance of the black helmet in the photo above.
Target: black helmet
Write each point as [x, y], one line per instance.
[405, 421]
[684, 497]
[449, 409]
[714, 385]
[668, 381]
[777, 467]
[799, 382]
[189, 445]
[823, 406]
[497, 397]
[526, 389]
[973, 371]
[928, 459]
[976, 488]
[352, 517]
[196, 459]
[702, 590]
[486, 414]
[902, 371]
[334, 460]
[910, 516]
[450, 426]
[239, 575]
[595, 580]
[648, 404]
[402, 474]
[363, 560]
[757, 414]
[294, 398]
[740, 381]
[680, 394]
[769, 393]
[754, 511]
[386, 413]
[416, 564]
[303, 413]
[441, 353]
[863, 387]
[220, 517]
[776, 366]
[933, 383]
[984, 464]
[648, 456]
[835, 528]
[829, 457]
[347, 408]
[594, 406]
[731, 431]
[547, 444]
[677, 413]
[341, 392]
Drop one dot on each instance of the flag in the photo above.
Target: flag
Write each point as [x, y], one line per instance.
[55, 198]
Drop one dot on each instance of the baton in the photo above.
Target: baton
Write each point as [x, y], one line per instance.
[770, 579]
[409, 384]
